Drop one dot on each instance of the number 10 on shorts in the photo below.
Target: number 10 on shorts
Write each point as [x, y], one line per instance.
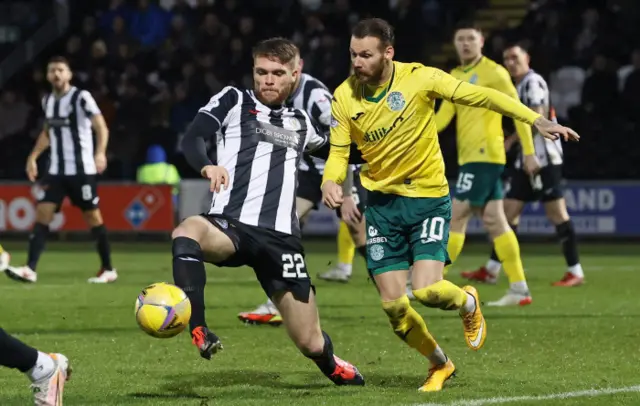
[293, 266]
[432, 230]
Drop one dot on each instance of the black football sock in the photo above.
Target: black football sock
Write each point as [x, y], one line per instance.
[325, 360]
[567, 237]
[16, 354]
[102, 244]
[37, 242]
[494, 256]
[190, 276]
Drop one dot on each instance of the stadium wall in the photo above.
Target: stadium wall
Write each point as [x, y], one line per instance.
[600, 210]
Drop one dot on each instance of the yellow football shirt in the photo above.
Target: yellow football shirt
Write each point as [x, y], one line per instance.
[479, 132]
[396, 131]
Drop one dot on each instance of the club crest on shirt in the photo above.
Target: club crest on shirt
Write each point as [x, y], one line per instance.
[334, 122]
[474, 79]
[396, 101]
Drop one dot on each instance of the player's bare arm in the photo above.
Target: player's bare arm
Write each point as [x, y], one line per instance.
[102, 140]
[530, 162]
[42, 143]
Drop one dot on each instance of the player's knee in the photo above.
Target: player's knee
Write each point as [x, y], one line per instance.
[188, 229]
[45, 213]
[186, 247]
[92, 217]
[495, 222]
[396, 311]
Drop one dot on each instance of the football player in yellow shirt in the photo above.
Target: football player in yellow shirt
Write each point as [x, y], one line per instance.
[387, 109]
[481, 156]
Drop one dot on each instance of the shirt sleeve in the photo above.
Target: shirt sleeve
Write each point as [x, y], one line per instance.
[441, 84]
[221, 105]
[88, 104]
[445, 114]
[340, 138]
[504, 84]
[320, 108]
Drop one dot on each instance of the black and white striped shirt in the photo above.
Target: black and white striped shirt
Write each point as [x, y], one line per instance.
[533, 92]
[261, 148]
[313, 97]
[68, 119]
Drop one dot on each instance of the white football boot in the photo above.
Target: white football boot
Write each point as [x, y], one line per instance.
[513, 299]
[104, 276]
[22, 274]
[48, 391]
[335, 275]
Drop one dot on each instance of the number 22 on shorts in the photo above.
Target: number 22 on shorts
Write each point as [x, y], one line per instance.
[293, 266]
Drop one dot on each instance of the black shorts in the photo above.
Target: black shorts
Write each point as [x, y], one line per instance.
[276, 258]
[546, 186]
[82, 190]
[309, 187]
[359, 194]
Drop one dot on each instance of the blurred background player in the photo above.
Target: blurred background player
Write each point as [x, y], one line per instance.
[311, 95]
[481, 160]
[253, 219]
[47, 372]
[543, 187]
[5, 259]
[70, 114]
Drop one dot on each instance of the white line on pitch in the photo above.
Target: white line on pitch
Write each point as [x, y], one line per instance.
[553, 396]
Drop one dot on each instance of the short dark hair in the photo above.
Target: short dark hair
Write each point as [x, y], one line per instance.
[468, 25]
[519, 44]
[279, 48]
[59, 59]
[377, 28]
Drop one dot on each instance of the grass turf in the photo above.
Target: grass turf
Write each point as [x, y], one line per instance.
[568, 340]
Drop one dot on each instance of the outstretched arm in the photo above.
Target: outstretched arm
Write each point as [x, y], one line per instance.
[337, 164]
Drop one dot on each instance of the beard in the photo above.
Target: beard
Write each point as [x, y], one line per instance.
[375, 75]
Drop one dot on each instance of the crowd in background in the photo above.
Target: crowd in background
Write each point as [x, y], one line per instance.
[151, 65]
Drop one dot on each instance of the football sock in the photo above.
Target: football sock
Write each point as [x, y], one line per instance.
[567, 237]
[37, 241]
[43, 367]
[190, 276]
[325, 360]
[346, 248]
[454, 247]
[410, 327]
[508, 250]
[1, 249]
[446, 296]
[102, 244]
[493, 265]
[16, 354]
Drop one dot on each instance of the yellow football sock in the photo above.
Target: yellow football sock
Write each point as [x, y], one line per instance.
[508, 251]
[410, 326]
[346, 246]
[1, 249]
[442, 295]
[454, 248]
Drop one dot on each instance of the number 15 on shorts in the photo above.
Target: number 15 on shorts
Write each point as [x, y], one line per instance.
[293, 266]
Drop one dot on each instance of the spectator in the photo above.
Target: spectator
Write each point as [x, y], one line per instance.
[631, 91]
[600, 89]
[149, 24]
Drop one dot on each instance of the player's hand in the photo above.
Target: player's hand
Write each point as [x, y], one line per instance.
[101, 162]
[553, 131]
[218, 176]
[349, 211]
[531, 164]
[32, 169]
[332, 194]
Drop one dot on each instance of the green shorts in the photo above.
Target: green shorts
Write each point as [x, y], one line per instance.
[479, 183]
[402, 230]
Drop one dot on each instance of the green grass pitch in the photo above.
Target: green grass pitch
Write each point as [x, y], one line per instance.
[568, 341]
